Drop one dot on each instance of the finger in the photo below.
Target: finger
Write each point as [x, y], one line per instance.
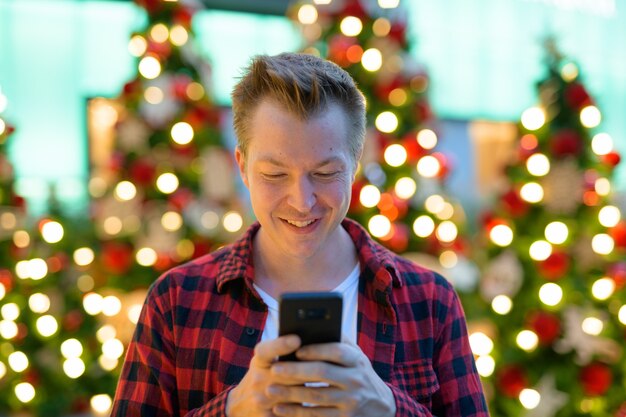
[266, 352]
[320, 396]
[338, 353]
[299, 373]
[297, 410]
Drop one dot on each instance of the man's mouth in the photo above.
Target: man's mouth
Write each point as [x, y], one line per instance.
[301, 223]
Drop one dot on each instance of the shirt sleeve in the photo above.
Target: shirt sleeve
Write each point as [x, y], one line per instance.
[147, 384]
[461, 391]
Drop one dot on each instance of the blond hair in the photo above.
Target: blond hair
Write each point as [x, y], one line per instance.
[304, 85]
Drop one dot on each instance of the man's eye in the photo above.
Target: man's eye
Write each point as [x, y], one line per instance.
[327, 174]
[273, 176]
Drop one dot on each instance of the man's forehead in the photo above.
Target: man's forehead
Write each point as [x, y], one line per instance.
[279, 161]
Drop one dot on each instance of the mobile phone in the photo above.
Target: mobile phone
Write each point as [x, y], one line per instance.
[314, 316]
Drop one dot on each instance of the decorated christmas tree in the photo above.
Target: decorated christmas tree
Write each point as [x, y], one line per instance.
[399, 194]
[169, 192]
[54, 357]
[554, 270]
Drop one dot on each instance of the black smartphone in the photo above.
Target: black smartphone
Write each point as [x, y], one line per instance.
[314, 316]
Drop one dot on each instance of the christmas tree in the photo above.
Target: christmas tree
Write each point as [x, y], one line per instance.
[399, 194]
[169, 192]
[53, 355]
[551, 341]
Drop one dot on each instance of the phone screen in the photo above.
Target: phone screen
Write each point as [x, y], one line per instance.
[314, 316]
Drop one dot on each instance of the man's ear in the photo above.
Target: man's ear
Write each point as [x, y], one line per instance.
[241, 162]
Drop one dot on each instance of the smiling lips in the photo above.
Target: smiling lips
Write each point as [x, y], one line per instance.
[300, 223]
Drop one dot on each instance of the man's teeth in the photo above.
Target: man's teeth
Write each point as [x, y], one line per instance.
[300, 224]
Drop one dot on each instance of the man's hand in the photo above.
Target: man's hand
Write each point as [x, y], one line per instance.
[250, 398]
[354, 389]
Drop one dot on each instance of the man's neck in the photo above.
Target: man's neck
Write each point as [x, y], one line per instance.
[322, 272]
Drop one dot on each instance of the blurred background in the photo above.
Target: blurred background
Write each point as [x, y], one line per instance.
[492, 156]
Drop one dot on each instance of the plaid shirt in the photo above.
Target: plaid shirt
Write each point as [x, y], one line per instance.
[200, 322]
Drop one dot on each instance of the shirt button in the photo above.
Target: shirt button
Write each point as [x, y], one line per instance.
[250, 331]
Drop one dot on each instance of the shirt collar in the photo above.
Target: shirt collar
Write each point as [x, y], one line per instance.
[238, 263]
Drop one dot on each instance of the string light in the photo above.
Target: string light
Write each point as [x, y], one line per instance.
[602, 244]
[447, 231]
[423, 226]
[556, 232]
[47, 325]
[137, 45]
[105, 333]
[8, 329]
[92, 303]
[388, 4]
[603, 288]
[232, 222]
[485, 365]
[501, 235]
[602, 144]
[71, 348]
[171, 221]
[39, 303]
[387, 122]
[590, 117]
[101, 403]
[167, 183]
[149, 67]
[125, 191]
[84, 256]
[395, 155]
[538, 165]
[529, 398]
[533, 118]
[502, 304]
[550, 294]
[73, 367]
[602, 186]
[434, 203]
[179, 35]
[592, 326]
[24, 392]
[111, 305]
[21, 239]
[18, 361]
[540, 250]
[351, 26]
[307, 14]
[52, 232]
[480, 343]
[448, 259]
[182, 133]
[405, 188]
[621, 315]
[427, 139]
[159, 33]
[609, 216]
[381, 27]
[146, 256]
[527, 340]
[369, 196]
[372, 60]
[153, 95]
[428, 166]
[531, 192]
[113, 348]
[10, 311]
[379, 226]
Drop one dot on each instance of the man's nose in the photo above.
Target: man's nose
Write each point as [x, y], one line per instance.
[303, 195]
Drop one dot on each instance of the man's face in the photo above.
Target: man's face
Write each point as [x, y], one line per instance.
[299, 174]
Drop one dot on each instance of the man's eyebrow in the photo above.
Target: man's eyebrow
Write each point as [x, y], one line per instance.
[276, 162]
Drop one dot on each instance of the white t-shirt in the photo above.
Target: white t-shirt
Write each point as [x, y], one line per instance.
[349, 289]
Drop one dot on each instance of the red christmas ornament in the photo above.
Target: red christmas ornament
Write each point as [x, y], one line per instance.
[444, 165]
[398, 33]
[555, 266]
[618, 233]
[338, 49]
[596, 379]
[612, 159]
[6, 280]
[159, 50]
[423, 112]
[622, 411]
[183, 16]
[132, 87]
[179, 86]
[617, 271]
[399, 239]
[382, 90]
[181, 198]
[576, 96]
[514, 204]
[566, 142]
[355, 204]
[201, 247]
[511, 380]
[546, 325]
[163, 262]
[117, 257]
[353, 8]
[152, 6]
[142, 172]
[413, 149]
[73, 320]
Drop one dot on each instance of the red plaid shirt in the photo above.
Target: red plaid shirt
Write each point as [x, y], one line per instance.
[200, 322]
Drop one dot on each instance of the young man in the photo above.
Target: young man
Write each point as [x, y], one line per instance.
[206, 343]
